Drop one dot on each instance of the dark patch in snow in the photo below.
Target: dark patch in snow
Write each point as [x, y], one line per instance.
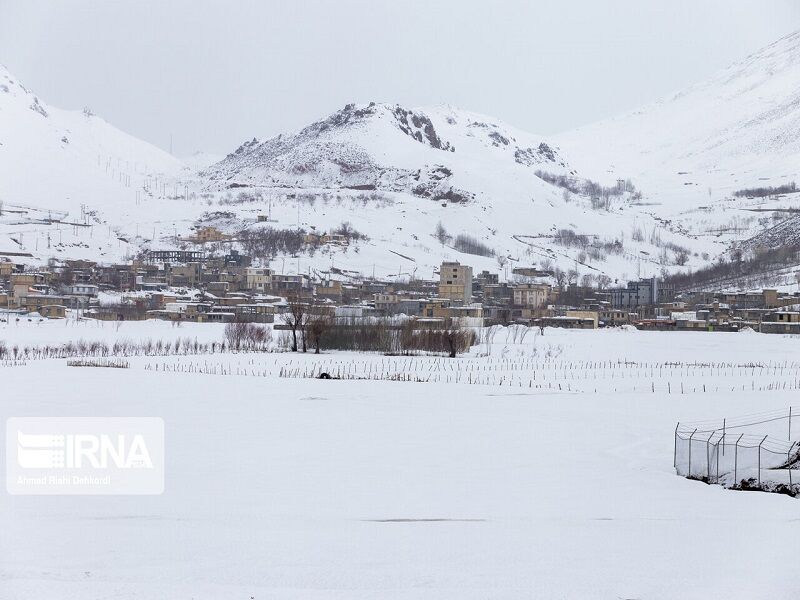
[544, 153]
[432, 520]
[420, 127]
[38, 108]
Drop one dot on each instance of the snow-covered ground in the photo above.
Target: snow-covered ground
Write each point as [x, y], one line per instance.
[280, 486]
[35, 331]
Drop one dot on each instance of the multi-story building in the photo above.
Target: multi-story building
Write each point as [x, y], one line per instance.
[258, 279]
[455, 282]
[173, 256]
[83, 290]
[483, 279]
[188, 274]
[645, 292]
[330, 290]
[209, 234]
[289, 283]
[531, 295]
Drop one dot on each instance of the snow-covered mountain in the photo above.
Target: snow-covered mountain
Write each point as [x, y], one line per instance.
[71, 184]
[435, 183]
[397, 174]
[58, 159]
[740, 128]
[438, 153]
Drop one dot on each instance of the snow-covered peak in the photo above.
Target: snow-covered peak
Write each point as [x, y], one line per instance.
[375, 145]
[743, 120]
[60, 159]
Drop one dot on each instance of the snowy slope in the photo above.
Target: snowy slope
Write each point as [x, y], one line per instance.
[429, 152]
[76, 168]
[691, 152]
[395, 173]
[59, 159]
[200, 160]
[740, 128]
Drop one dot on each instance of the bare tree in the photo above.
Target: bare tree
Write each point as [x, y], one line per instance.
[235, 335]
[560, 277]
[317, 327]
[295, 318]
[441, 234]
[572, 276]
[681, 257]
[456, 339]
[502, 261]
[603, 281]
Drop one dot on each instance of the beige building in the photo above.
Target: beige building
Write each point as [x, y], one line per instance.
[53, 311]
[585, 315]
[6, 269]
[332, 290]
[437, 308]
[209, 234]
[532, 295]
[20, 286]
[455, 282]
[257, 278]
[188, 274]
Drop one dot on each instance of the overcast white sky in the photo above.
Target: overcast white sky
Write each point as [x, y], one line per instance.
[216, 73]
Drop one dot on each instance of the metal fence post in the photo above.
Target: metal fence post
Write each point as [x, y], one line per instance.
[675, 452]
[689, 471]
[788, 460]
[736, 460]
[759, 461]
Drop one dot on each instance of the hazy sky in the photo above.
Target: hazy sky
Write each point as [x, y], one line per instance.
[216, 73]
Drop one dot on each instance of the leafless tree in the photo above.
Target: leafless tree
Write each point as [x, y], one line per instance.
[572, 276]
[441, 234]
[317, 326]
[560, 277]
[603, 281]
[295, 318]
[502, 261]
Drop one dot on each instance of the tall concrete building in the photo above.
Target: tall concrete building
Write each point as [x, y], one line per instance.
[455, 282]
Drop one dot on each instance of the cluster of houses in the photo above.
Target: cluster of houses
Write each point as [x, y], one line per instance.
[187, 285]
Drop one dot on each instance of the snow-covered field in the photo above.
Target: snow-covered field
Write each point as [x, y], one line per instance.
[280, 486]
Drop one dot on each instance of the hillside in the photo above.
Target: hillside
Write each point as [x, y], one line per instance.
[396, 174]
[670, 187]
[438, 153]
[738, 129]
[68, 166]
[707, 157]
[59, 159]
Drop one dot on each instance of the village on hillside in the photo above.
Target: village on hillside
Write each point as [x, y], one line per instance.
[207, 287]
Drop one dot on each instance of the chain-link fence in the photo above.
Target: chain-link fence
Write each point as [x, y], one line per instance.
[749, 452]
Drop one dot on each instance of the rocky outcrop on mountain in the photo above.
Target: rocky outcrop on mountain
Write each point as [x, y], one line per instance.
[423, 152]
